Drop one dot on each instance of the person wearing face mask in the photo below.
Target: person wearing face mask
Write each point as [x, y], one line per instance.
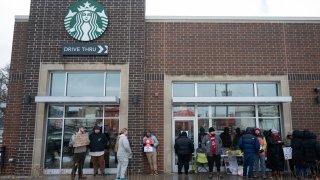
[213, 144]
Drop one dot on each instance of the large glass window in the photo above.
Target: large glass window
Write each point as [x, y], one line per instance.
[85, 83]
[206, 90]
[267, 89]
[62, 123]
[183, 111]
[224, 89]
[183, 90]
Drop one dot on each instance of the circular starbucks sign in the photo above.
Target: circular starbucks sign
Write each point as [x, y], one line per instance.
[86, 20]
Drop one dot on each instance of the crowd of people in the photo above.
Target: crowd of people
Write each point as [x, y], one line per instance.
[262, 149]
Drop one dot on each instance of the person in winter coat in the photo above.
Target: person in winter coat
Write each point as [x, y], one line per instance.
[201, 135]
[275, 157]
[260, 158]
[124, 153]
[213, 147]
[151, 140]
[79, 151]
[310, 151]
[249, 144]
[298, 153]
[184, 148]
[236, 138]
[226, 138]
[98, 142]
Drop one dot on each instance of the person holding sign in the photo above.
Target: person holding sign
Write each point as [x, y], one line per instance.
[150, 144]
[79, 141]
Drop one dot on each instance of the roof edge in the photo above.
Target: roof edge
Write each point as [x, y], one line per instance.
[236, 19]
[21, 18]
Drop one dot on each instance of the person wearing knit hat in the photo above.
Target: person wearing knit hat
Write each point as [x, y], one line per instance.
[275, 156]
[212, 144]
[184, 148]
[260, 156]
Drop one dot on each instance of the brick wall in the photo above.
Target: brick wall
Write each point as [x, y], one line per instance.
[46, 35]
[293, 49]
[14, 101]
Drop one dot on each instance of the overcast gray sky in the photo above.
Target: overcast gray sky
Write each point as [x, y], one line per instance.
[275, 8]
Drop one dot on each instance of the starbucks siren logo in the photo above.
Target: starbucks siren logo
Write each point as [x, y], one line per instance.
[86, 20]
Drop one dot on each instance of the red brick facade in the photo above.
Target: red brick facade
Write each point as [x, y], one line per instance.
[155, 49]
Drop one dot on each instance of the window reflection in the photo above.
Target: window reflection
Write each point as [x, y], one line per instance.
[183, 111]
[241, 111]
[203, 111]
[183, 90]
[267, 90]
[84, 111]
[269, 111]
[269, 123]
[55, 111]
[113, 84]
[206, 90]
[240, 90]
[85, 84]
[57, 84]
[221, 90]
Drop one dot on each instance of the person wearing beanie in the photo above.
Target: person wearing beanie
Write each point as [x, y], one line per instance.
[184, 148]
[98, 143]
[275, 153]
[150, 144]
[260, 157]
[212, 143]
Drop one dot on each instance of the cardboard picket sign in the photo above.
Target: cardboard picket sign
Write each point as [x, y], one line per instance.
[287, 152]
[80, 140]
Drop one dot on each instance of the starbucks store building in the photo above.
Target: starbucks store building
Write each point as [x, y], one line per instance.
[94, 62]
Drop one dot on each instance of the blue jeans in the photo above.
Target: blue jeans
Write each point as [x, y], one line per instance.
[260, 159]
[301, 170]
[248, 161]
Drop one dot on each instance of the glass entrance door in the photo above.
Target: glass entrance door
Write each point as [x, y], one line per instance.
[62, 123]
[183, 125]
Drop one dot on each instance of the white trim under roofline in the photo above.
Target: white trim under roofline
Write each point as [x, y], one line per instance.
[76, 99]
[233, 19]
[277, 99]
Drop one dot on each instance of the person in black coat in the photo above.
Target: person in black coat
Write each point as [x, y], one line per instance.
[98, 142]
[298, 153]
[275, 156]
[310, 150]
[226, 138]
[184, 148]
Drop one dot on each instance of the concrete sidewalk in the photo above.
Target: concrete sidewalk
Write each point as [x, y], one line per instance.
[174, 176]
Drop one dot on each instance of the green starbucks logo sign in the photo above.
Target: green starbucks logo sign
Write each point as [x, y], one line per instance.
[86, 20]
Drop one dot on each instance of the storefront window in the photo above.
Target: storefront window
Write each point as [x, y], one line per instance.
[269, 111]
[61, 126]
[84, 111]
[113, 84]
[241, 111]
[85, 84]
[183, 90]
[57, 84]
[203, 111]
[221, 90]
[220, 111]
[183, 111]
[267, 90]
[206, 90]
[240, 90]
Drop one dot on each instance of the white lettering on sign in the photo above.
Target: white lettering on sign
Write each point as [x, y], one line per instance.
[71, 49]
[91, 49]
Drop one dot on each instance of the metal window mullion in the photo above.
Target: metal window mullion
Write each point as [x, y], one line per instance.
[45, 141]
[105, 83]
[257, 116]
[255, 89]
[65, 84]
[196, 89]
[62, 138]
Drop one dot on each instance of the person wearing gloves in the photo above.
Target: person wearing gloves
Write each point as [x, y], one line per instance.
[150, 144]
[124, 154]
